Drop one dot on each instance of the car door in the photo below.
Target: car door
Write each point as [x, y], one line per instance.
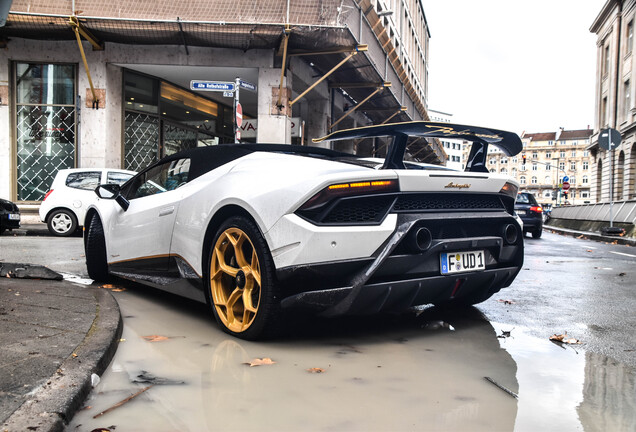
[140, 237]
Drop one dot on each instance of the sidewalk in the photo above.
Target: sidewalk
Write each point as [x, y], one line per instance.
[53, 336]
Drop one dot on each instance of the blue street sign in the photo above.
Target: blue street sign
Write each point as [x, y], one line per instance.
[566, 179]
[247, 85]
[219, 86]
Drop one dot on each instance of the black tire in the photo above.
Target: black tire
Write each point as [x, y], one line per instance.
[239, 259]
[537, 233]
[95, 251]
[61, 222]
[1, 230]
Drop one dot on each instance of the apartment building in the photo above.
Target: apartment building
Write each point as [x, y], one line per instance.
[549, 156]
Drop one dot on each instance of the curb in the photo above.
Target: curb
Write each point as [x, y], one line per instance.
[55, 403]
[592, 235]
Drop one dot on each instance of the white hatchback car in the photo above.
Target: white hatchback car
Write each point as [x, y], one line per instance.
[72, 191]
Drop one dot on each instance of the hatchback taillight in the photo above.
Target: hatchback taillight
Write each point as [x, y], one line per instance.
[536, 209]
[47, 194]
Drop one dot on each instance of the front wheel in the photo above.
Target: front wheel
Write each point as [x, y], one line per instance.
[241, 287]
[62, 223]
[95, 251]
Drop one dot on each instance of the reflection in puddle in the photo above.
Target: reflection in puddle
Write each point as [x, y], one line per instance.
[381, 373]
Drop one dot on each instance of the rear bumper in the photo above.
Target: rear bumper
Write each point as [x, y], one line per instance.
[400, 295]
[396, 276]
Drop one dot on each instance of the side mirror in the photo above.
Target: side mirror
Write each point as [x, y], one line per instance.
[112, 191]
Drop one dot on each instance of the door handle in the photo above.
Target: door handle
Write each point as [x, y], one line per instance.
[166, 211]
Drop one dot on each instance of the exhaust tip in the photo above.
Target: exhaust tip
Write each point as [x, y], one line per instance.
[423, 239]
[510, 234]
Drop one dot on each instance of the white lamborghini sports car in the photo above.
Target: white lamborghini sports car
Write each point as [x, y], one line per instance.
[253, 229]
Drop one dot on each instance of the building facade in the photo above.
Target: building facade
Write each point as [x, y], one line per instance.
[453, 147]
[614, 101]
[122, 84]
[549, 157]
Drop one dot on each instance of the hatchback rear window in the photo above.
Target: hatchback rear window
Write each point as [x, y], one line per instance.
[87, 180]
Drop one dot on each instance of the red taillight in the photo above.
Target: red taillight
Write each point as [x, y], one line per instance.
[346, 189]
[536, 209]
[47, 194]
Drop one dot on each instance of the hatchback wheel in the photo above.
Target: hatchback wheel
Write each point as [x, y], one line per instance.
[537, 233]
[62, 222]
[241, 287]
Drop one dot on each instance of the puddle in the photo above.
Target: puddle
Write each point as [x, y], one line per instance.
[380, 373]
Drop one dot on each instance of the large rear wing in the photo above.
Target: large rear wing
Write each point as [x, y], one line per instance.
[481, 138]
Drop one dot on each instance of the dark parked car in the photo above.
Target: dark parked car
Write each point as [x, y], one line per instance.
[9, 215]
[531, 213]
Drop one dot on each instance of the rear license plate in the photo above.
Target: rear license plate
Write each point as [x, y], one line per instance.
[457, 262]
[14, 216]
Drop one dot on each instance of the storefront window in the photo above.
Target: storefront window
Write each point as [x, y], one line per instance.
[162, 119]
[45, 127]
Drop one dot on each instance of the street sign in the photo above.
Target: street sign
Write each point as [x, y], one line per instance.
[228, 94]
[217, 86]
[566, 186]
[238, 134]
[609, 139]
[247, 85]
[239, 115]
[566, 179]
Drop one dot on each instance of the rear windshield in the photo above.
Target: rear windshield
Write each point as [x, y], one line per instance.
[526, 199]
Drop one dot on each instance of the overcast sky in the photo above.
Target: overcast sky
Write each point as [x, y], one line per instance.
[513, 65]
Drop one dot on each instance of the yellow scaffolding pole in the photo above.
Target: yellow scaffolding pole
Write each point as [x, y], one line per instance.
[335, 68]
[78, 29]
[402, 109]
[351, 111]
[282, 69]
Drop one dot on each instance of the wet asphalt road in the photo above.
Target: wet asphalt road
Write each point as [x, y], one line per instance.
[582, 287]
[423, 375]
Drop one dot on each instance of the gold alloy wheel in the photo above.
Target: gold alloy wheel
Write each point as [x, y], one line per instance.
[235, 280]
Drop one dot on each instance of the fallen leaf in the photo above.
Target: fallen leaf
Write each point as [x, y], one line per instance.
[112, 287]
[589, 250]
[155, 338]
[558, 338]
[505, 334]
[622, 274]
[580, 237]
[74, 355]
[563, 338]
[260, 362]
[316, 370]
[506, 301]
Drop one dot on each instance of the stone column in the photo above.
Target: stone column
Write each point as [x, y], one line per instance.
[274, 123]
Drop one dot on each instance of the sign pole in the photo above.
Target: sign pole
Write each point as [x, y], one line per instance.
[236, 102]
[611, 188]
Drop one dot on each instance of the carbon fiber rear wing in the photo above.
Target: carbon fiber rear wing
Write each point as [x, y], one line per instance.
[481, 138]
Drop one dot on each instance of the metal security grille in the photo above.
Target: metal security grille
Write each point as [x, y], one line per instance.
[141, 140]
[46, 144]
